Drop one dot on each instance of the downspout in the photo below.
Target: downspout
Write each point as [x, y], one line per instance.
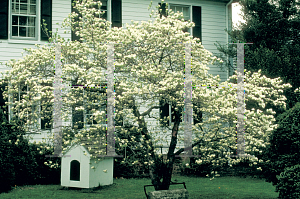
[227, 25]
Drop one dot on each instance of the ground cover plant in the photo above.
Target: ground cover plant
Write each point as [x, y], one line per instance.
[198, 188]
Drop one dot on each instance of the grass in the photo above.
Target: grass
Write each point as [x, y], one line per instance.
[221, 187]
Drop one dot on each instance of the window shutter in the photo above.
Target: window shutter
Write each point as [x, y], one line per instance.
[116, 10]
[164, 112]
[163, 10]
[198, 118]
[77, 118]
[4, 19]
[74, 37]
[2, 101]
[46, 14]
[197, 21]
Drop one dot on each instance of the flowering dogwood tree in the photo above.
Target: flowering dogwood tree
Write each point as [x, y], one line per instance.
[149, 68]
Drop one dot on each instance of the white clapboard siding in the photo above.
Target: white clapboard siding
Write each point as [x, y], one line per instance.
[60, 10]
[213, 15]
[213, 19]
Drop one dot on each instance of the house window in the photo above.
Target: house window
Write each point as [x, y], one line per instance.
[95, 97]
[103, 16]
[43, 108]
[115, 12]
[186, 13]
[166, 110]
[24, 18]
[75, 170]
[185, 9]
[94, 100]
[21, 19]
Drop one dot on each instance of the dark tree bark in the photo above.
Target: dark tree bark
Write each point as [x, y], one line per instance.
[160, 172]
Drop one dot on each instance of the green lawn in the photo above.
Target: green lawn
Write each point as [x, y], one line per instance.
[221, 187]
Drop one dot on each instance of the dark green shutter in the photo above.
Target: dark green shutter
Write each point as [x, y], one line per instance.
[73, 35]
[2, 101]
[116, 13]
[197, 21]
[46, 14]
[164, 112]
[46, 122]
[77, 115]
[163, 11]
[77, 118]
[198, 118]
[4, 19]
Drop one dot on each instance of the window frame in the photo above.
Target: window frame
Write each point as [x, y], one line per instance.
[191, 16]
[84, 123]
[34, 108]
[190, 7]
[86, 114]
[37, 23]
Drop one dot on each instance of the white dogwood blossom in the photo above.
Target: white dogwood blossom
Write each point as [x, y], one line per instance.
[149, 66]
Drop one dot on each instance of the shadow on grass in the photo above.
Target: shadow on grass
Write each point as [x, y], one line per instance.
[198, 188]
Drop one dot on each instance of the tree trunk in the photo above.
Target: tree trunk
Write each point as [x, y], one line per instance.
[167, 168]
[159, 170]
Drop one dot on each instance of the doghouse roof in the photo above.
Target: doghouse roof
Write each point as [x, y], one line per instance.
[89, 144]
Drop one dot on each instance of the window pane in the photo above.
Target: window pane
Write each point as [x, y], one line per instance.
[22, 21]
[15, 8]
[31, 31]
[173, 8]
[104, 5]
[15, 31]
[32, 10]
[186, 13]
[104, 16]
[14, 20]
[23, 1]
[32, 1]
[23, 8]
[31, 21]
[22, 32]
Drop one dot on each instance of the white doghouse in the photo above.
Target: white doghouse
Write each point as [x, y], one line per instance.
[76, 169]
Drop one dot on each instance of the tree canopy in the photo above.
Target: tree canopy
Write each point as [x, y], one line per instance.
[274, 29]
[149, 68]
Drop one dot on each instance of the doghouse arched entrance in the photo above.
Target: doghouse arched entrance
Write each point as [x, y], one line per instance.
[75, 170]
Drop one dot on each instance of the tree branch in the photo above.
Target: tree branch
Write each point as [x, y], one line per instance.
[149, 110]
[195, 144]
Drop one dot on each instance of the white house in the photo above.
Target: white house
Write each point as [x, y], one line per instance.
[21, 20]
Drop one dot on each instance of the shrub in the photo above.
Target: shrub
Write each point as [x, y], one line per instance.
[20, 161]
[124, 167]
[289, 182]
[284, 147]
[15, 159]
[45, 173]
